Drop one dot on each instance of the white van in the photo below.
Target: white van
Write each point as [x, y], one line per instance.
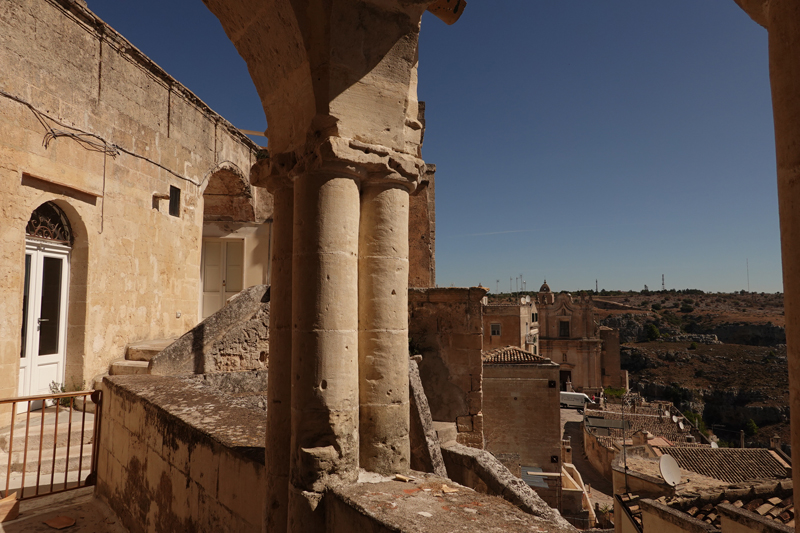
[574, 400]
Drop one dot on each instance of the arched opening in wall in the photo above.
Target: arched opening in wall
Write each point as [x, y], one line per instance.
[237, 219]
[54, 296]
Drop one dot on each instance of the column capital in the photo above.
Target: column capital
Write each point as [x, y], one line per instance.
[272, 172]
[366, 163]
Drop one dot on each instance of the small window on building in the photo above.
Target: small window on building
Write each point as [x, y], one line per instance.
[174, 201]
[564, 358]
[495, 330]
[534, 317]
[563, 329]
[534, 349]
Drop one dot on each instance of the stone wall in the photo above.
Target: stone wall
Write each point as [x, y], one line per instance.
[514, 323]
[613, 375]
[176, 455]
[599, 455]
[234, 338]
[93, 125]
[521, 413]
[422, 232]
[445, 326]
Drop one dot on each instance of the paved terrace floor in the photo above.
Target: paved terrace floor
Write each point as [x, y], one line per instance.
[90, 514]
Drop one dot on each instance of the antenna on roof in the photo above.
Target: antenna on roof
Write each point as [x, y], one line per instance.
[714, 444]
[670, 470]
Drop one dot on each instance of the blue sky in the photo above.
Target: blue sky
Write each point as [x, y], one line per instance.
[574, 141]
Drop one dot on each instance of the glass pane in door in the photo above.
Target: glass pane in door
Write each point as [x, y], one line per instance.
[49, 318]
[25, 304]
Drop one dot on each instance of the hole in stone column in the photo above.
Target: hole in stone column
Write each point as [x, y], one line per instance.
[263, 357]
[323, 385]
[297, 377]
[328, 277]
[394, 292]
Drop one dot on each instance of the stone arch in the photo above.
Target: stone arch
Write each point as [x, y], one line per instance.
[228, 196]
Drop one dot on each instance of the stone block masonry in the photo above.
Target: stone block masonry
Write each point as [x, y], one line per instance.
[176, 456]
[94, 126]
[445, 324]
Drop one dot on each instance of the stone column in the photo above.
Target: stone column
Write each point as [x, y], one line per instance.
[383, 327]
[324, 444]
[280, 357]
[783, 21]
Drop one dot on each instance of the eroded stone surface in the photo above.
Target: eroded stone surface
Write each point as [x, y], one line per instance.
[422, 506]
[234, 338]
[426, 454]
[481, 469]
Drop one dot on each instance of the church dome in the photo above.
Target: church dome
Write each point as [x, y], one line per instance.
[545, 287]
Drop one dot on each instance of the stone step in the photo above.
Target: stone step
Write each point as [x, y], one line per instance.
[125, 368]
[62, 464]
[146, 350]
[446, 432]
[34, 437]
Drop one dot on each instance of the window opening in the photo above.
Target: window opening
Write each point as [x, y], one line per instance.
[174, 201]
[563, 328]
[495, 330]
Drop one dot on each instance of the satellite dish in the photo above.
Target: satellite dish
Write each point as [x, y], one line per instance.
[680, 425]
[670, 470]
[666, 413]
[714, 445]
[527, 299]
[675, 419]
[522, 301]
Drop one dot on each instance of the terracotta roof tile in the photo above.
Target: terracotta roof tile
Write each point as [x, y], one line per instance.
[733, 465]
[512, 355]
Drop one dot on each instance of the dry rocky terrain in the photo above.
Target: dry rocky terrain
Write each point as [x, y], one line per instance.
[670, 352]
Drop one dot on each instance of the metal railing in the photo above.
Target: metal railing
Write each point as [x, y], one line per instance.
[40, 411]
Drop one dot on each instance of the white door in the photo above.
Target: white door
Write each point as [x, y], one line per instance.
[223, 272]
[44, 318]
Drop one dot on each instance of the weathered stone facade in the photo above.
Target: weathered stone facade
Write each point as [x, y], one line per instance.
[522, 417]
[93, 126]
[569, 336]
[422, 232]
[511, 325]
[445, 325]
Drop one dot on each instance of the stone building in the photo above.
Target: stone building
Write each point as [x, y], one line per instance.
[127, 213]
[511, 325]
[568, 335]
[522, 424]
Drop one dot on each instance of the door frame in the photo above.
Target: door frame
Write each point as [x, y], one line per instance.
[39, 249]
[224, 267]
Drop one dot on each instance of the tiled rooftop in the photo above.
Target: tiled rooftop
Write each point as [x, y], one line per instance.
[733, 465]
[512, 355]
[658, 426]
[773, 502]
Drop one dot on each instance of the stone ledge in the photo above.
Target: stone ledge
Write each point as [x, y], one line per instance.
[421, 506]
[210, 415]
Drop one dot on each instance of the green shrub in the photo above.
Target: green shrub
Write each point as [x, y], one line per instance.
[750, 428]
[656, 307]
[686, 308]
[611, 392]
[693, 346]
[652, 332]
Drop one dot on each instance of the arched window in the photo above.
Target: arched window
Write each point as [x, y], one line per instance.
[49, 222]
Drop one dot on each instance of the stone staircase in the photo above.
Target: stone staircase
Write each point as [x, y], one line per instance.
[66, 452]
[138, 356]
